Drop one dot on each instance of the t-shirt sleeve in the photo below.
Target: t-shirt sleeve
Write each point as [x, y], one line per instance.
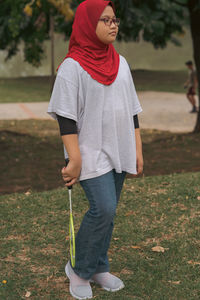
[64, 99]
[136, 107]
[134, 101]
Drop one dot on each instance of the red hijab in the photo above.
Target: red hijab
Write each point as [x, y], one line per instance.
[101, 61]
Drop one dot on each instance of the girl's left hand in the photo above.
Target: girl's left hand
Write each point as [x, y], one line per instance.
[140, 164]
[139, 156]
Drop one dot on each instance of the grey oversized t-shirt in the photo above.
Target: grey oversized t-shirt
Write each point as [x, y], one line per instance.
[104, 116]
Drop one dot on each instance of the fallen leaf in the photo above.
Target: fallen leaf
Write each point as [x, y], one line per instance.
[124, 249]
[28, 294]
[116, 239]
[154, 204]
[130, 213]
[165, 183]
[191, 262]
[136, 247]
[159, 249]
[174, 282]
[180, 206]
[126, 271]
[49, 277]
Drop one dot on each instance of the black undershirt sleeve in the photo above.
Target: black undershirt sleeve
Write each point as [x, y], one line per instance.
[67, 126]
[136, 121]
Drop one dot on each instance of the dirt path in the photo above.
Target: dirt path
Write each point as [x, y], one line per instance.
[163, 111]
[166, 111]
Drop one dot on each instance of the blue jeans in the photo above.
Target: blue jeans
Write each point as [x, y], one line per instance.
[94, 235]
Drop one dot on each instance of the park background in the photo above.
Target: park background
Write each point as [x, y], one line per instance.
[155, 246]
[140, 55]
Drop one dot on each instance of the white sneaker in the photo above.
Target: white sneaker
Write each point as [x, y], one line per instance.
[108, 281]
[79, 288]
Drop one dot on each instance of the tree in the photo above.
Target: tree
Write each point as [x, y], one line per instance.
[62, 7]
[155, 21]
[32, 22]
[194, 9]
[29, 21]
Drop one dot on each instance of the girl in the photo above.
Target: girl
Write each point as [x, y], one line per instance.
[95, 103]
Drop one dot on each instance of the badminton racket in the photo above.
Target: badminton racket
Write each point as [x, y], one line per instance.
[71, 226]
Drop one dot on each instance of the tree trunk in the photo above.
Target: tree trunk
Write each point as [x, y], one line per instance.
[52, 50]
[195, 31]
[196, 45]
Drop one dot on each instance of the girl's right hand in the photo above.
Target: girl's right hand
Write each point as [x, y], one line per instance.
[71, 172]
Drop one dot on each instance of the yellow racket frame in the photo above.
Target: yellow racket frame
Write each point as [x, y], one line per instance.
[72, 240]
[71, 233]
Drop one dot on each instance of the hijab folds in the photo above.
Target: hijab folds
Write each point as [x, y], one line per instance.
[100, 60]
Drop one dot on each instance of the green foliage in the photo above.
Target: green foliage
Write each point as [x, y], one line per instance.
[154, 21]
[17, 27]
[33, 30]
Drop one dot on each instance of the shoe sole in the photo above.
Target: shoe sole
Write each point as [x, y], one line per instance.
[109, 289]
[71, 292]
[113, 290]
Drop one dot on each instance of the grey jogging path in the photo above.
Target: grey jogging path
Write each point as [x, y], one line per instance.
[163, 111]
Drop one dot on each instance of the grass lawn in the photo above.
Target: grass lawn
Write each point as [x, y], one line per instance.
[37, 89]
[27, 89]
[161, 81]
[32, 155]
[154, 211]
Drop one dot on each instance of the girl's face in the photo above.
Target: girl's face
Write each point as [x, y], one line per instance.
[105, 31]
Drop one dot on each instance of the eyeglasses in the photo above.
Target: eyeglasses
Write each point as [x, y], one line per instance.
[109, 21]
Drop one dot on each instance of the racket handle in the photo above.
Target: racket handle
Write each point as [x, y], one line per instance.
[66, 162]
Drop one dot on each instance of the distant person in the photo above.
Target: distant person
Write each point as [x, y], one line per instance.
[191, 84]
